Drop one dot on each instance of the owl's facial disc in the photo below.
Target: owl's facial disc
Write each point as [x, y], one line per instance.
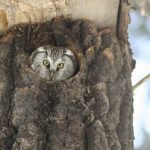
[53, 63]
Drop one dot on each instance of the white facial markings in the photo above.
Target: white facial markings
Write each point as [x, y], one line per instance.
[53, 65]
[69, 52]
[32, 66]
[40, 49]
[51, 62]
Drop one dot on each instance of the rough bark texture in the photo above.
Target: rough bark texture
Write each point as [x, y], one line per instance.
[13, 12]
[91, 111]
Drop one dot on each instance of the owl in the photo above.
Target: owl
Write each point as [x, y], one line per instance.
[53, 63]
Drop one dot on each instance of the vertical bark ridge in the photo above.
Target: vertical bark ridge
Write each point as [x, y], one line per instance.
[112, 91]
[125, 128]
[30, 102]
[7, 130]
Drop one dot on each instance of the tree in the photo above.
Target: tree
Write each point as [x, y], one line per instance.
[91, 111]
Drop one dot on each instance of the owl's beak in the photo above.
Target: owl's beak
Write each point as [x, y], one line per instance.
[51, 74]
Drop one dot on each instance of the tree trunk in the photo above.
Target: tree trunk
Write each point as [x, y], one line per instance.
[91, 111]
[102, 12]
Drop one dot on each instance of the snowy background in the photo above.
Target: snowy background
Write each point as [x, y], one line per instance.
[139, 37]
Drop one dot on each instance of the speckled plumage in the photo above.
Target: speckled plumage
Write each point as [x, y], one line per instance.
[53, 63]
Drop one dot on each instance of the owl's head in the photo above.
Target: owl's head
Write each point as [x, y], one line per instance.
[53, 63]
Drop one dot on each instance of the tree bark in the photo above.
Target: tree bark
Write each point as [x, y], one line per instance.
[91, 111]
[102, 12]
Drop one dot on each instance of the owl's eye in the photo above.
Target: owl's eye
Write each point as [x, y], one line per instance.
[46, 63]
[60, 66]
